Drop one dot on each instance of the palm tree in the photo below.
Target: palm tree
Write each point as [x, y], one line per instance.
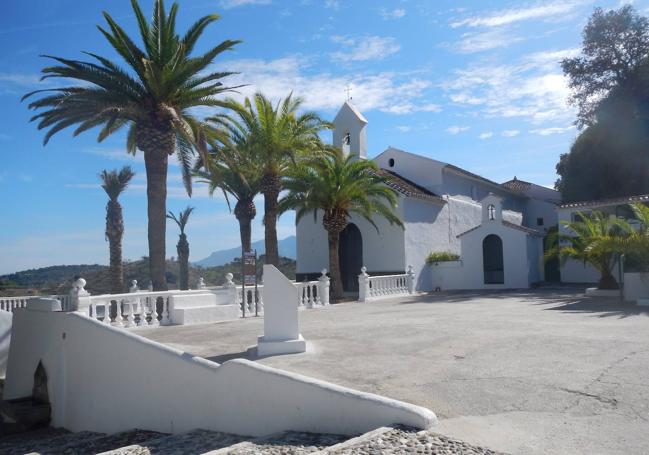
[152, 96]
[182, 247]
[588, 240]
[277, 136]
[635, 244]
[114, 183]
[237, 175]
[340, 187]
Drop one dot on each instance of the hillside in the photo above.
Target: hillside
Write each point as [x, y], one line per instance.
[58, 279]
[287, 248]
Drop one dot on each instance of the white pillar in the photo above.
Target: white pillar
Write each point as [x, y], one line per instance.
[411, 280]
[79, 297]
[229, 284]
[363, 285]
[323, 288]
[201, 283]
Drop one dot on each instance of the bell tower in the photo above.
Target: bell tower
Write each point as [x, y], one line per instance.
[349, 131]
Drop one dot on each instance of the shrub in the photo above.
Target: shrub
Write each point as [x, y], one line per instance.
[441, 256]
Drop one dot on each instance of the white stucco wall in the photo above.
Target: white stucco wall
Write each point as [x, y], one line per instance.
[5, 339]
[382, 251]
[425, 172]
[105, 379]
[636, 286]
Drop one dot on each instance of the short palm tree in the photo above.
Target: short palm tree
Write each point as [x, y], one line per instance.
[237, 175]
[152, 96]
[635, 244]
[338, 187]
[182, 247]
[588, 240]
[114, 183]
[277, 135]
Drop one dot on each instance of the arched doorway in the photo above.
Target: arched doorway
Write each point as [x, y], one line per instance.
[492, 260]
[350, 254]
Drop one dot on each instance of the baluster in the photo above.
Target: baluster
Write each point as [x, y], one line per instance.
[106, 312]
[251, 301]
[119, 317]
[143, 320]
[165, 311]
[260, 301]
[154, 311]
[317, 301]
[130, 319]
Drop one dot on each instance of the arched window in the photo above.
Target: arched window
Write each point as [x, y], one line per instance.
[391, 162]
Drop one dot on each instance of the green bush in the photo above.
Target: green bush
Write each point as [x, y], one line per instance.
[443, 256]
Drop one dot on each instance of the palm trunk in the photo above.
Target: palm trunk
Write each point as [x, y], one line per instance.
[334, 265]
[607, 281]
[245, 230]
[116, 265]
[183, 262]
[270, 227]
[156, 192]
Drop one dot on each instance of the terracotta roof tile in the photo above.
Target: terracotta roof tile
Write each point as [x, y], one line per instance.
[407, 187]
[607, 201]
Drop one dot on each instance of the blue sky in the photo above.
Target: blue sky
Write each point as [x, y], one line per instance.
[473, 83]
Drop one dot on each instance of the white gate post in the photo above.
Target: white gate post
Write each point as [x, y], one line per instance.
[79, 297]
[229, 284]
[363, 285]
[411, 280]
[323, 288]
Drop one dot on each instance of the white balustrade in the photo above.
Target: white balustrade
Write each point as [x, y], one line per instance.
[11, 303]
[376, 287]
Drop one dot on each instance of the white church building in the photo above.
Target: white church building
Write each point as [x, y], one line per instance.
[497, 229]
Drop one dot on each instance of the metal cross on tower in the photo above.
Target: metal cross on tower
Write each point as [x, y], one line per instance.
[348, 90]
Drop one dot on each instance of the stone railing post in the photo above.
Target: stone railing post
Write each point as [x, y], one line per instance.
[133, 287]
[411, 280]
[323, 288]
[79, 297]
[150, 287]
[229, 284]
[201, 283]
[363, 285]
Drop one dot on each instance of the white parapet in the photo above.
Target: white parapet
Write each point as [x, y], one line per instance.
[164, 389]
[281, 327]
[202, 308]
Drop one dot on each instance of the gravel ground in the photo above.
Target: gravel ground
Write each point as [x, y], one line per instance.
[291, 443]
[409, 441]
[194, 442]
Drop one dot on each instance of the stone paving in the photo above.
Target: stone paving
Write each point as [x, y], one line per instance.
[537, 372]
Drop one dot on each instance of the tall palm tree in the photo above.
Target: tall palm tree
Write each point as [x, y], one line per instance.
[339, 187]
[114, 183]
[588, 240]
[277, 135]
[236, 174]
[152, 96]
[182, 247]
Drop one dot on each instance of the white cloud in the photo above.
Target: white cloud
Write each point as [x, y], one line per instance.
[404, 129]
[397, 93]
[456, 129]
[553, 130]
[533, 89]
[396, 13]
[483, 41]
[486, 135]
[227, 4]
[365, 48]
[510, 133]
[513, 15]
[332, 4]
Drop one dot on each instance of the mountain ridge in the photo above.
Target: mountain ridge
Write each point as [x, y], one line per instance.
[287, 248]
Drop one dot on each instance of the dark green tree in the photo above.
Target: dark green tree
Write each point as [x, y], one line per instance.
[152, 95]
[614, 49]
[182, 247]
[114, 183]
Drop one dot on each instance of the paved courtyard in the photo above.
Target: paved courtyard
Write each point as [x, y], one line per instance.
[537, 372]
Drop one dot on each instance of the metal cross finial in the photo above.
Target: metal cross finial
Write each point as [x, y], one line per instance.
[348, 89]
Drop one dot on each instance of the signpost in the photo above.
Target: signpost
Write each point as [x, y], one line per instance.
[249, 266]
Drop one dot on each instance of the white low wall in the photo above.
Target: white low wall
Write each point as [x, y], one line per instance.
[5, 338]
[636, 286]
[101, 378]
[447, 275]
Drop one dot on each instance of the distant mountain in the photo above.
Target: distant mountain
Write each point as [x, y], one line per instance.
[287, 248]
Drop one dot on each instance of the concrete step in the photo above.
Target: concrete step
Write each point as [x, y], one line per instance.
[194, 442]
